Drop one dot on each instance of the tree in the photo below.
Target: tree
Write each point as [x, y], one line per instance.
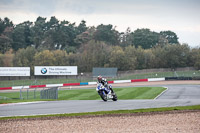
[130, 58]
[93, 54]
[6, 40]
[145, 38]
[160, 57]
[22, 35]
[38, 31]
[126, 38]
[170, 36]
[24, 57]
[107, 34]
[8, 58]
[5, 43]
[61, 58]
[117, 58]
[149, 59]
[6, 29]
[86, 36]
[194, 58]
[82, 27]
[141, 61]
[4, 24]
[1, 60]
[44, 58]
[66, 36]
[52, 35]
[176, 55]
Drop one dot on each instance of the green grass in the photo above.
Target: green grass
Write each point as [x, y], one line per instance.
[88, 94]
[99, 113]
[9, 83]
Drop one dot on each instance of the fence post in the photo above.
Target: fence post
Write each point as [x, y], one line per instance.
[20, 93]
[34, 93]
[27, 94]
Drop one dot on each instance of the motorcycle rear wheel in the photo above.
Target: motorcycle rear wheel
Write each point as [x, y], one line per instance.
[114, 97]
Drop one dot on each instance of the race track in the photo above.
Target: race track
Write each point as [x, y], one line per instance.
[176, 95]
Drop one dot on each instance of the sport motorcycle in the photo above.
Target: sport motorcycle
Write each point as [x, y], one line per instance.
[105, 92]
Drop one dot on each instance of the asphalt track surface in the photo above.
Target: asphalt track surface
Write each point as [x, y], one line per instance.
[175, 95]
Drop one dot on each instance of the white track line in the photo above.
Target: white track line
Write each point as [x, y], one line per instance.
[161, 93]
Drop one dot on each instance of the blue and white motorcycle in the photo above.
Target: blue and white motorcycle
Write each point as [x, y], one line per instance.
[105, 93]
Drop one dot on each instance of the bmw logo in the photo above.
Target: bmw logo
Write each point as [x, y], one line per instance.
[43, 70]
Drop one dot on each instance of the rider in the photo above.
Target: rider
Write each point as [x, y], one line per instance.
[104, 82]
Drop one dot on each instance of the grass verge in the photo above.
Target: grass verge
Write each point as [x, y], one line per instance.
[99, 113]
[87, 94]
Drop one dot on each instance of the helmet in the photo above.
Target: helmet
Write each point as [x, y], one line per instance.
[99, 78]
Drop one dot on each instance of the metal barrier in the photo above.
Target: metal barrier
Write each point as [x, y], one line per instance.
[51, 93]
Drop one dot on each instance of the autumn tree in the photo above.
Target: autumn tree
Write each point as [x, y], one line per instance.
[194, 58]
[117, 58]
[8, 58]
[24, 57]
[130, 58]
[1, 60]
[93, 54]
[60, 58]
[44, 58]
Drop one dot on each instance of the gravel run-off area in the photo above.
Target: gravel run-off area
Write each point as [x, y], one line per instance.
[159, 122]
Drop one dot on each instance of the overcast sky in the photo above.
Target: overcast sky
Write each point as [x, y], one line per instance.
[179, 16]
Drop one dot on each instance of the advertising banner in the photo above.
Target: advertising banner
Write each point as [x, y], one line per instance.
[14, 71]
[55, 70]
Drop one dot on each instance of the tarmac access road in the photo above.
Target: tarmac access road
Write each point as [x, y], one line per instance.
[175, 95]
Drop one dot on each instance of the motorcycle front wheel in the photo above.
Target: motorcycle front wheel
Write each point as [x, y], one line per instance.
[103, 96]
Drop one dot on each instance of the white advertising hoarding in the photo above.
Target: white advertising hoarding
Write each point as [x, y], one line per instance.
[55, 70]
[14, 71]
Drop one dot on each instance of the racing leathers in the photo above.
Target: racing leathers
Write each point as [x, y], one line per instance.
[105, 84]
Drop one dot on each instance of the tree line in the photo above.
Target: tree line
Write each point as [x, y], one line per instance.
[61, 43]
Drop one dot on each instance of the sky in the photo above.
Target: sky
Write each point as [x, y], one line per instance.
[179, 16]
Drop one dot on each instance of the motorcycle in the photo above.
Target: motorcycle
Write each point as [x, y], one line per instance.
[105, 93]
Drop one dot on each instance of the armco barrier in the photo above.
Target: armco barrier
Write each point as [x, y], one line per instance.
[37, 86]
[54, 85]
[122, 81]
[20, 87]
[171, 78]
[156, 79]
[184, 78]
[139, 80]
[71, 84]
[6, 88]
[94, 83]
[83, 83]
